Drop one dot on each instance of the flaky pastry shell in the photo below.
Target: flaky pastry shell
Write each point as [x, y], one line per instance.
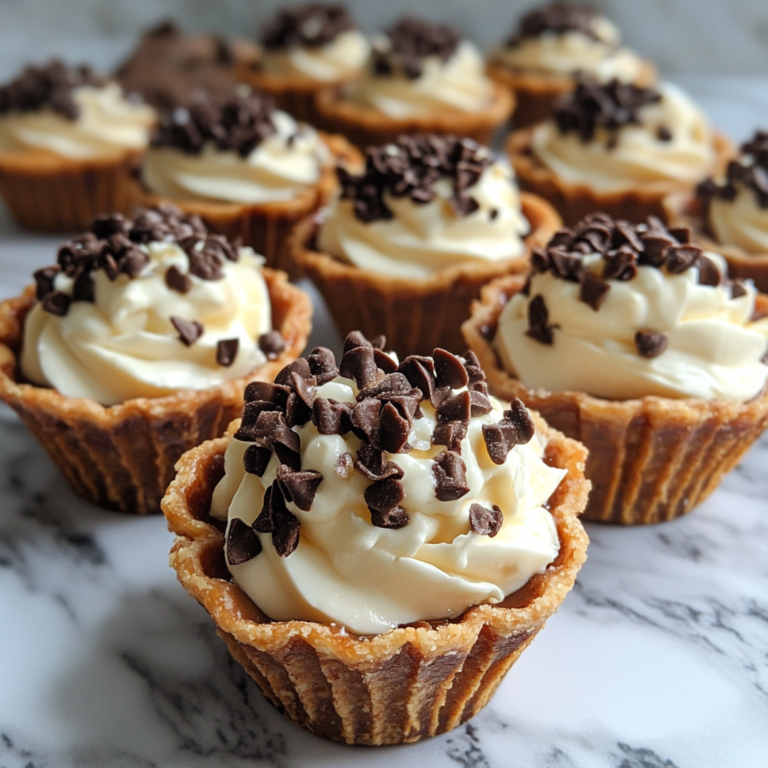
[264, 226]
[365, 126]
[122, 457]
[415, 315]
[400, 686]
[536, 92]
[651, 459]
[50, 193]
[575, 201]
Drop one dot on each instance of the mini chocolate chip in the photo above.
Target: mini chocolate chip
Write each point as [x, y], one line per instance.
[538, 317]
[299, 487]
[592, 289]
[393, 518]
[226, 351]
[737, 289]
[57, 303]
[372, 462]
[264, 390]
[358, 364]
[484, 521]
[365, 420]
[681, 258]
[285, 537]
[515, 428]
[44, 279]
[189, 330]
[383, 498]
[663, 133]
[133, 262]
[383, 361]
[322, 364]
[331, 417]
[650, 344]
[621, 264]
[420, 373]
[681, 234]
[177, 281]
[344, 465]
[299, 366]
[379, 341]
[655, 246]
[272, 344]
[392, 384]
[255, 459]
[450, 476]
[709, 274]
[243, 543]
[449, 370]
[393, 429]
[82, 288]
[480, 404]
[272, 506]
[355, 339]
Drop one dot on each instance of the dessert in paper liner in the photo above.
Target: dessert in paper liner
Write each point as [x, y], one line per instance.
[651, 459]
[403, 685]
[122, 457]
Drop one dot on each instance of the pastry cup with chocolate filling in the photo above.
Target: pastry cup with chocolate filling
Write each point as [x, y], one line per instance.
[535, 93]
[364, 126]
[684, 210]
[265, 227]
[415, 315]
[575, 201]
[122, 457]
[651, 459]
[404, 685]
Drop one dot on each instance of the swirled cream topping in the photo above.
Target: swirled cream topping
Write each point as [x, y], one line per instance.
[240, 151]
[735, 208]
[105, 124]
[144, 309]
[625, 312]
[418, 68]
[368, 506]
[340, 59]
[440, 202]
[640, 136]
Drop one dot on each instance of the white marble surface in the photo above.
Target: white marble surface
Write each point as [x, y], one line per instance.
[658, 659]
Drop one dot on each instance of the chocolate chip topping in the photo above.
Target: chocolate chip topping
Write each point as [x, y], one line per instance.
[538, 322]
[516, 428]
[410, 167]
[255, 459]
[650, 344]
[408, 42]
[176, 280]
[309, 26]
[450, 476]
[275, 518]
[57, 303]
[592, 106]
[237, 123]
[243, 544]
[50, 86]
[383, 500]
[484, 521]
[226, 351]
[299, 487]
[189, 330]
[557, 18]
[272, 344]
[592, 289]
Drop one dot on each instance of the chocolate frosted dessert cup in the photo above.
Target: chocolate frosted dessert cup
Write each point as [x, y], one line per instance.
[540, 61]
[420, 77]
[69, 142]
[377, 673]
[120, 455]
[590, 155]
[244, 141]
[651, 458]
[729, 214]
[436, 241]
[305, 50]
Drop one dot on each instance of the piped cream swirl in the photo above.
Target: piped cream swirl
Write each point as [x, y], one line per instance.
[742, 222]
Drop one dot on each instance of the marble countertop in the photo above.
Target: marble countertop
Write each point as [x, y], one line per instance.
[658, 659]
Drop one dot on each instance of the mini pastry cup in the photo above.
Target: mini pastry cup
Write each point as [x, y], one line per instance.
[536, 92]
[264, 226]
[404, 685]
[574, 201]
[651, 460]
[50, 193]
[683, 210]
[365, 126]
[415, 315]
[294, 93]
[122, 457]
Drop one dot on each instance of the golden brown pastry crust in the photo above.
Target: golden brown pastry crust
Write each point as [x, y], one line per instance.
[574, 201]
[365, 126]
[650, 460]
[404, 685]
[415, 315]
[122, 457]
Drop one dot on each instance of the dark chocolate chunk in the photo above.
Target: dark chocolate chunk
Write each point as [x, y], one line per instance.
[243, 543]
[177, 281]
[450, 476]
[189, 330]
[593, 289]
[299, 487]
[272, 344]
[56, 303]
[226, 351]
[484, 521]
[255, 459]
[650, 344]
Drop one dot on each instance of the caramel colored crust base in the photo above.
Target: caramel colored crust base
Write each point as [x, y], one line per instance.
[650, 460]
[415, 315]
[684, 211]
[574, 201]
[50, 193]
[123, 457]
[536, 93]
[365, 127]
[266, 226]
[401, 686]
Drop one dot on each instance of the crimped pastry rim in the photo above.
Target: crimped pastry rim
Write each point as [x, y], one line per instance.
[235, 613]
